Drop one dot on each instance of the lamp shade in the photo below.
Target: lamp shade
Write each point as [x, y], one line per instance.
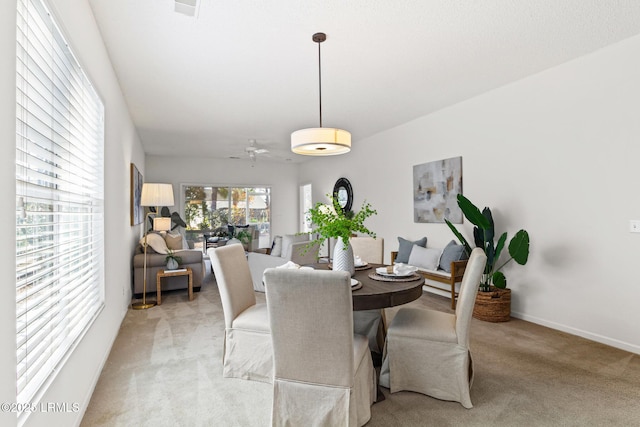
[156, 194]
[162, 224]
[320, 141]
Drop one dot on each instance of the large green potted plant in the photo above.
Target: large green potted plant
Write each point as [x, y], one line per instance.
[332, 222]
[493, 279]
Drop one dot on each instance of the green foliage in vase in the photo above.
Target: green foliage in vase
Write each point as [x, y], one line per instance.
[484, 234]
[331, 221]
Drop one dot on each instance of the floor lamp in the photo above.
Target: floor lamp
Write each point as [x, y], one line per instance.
[153, 194]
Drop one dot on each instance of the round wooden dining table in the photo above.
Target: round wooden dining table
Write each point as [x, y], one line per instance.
[376, 294]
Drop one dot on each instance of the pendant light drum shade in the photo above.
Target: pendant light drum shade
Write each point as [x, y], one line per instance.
[320, 141]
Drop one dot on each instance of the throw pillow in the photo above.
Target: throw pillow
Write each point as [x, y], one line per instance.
[452, 252]
[404, 248]
[426, 258]
[290, 239]
[157, 242]
[174, 241]
[276, 247]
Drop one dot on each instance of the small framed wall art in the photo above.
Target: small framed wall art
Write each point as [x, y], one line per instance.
[137, 211]
[436, 186]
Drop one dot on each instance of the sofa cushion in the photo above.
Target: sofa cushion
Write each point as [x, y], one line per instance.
[404, 248]
[276, 248]
[157, 242]
[426, 258]
[452, 252]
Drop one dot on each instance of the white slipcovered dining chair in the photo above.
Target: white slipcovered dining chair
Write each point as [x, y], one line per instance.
[369, 249]
[323, 373]
[369, 322]
[427, 351]
[248, 352]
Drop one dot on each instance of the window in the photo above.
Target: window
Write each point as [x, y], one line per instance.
[212, 209]
[305, 205]
[59, 199]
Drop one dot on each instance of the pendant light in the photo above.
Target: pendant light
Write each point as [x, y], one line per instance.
[320, 141]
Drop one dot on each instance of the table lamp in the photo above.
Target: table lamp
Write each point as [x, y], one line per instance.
[153, 194]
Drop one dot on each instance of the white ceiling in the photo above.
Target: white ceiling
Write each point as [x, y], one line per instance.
[248, 69]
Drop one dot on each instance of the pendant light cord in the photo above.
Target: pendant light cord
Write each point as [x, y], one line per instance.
[320, 82]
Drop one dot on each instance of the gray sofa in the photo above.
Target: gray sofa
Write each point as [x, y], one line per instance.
[155, 262]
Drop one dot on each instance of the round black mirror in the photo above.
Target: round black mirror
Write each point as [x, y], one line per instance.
[343, 192]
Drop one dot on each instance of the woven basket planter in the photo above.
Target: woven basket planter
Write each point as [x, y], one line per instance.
[493, 306]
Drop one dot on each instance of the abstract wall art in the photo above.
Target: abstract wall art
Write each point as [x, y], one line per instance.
[436, 186]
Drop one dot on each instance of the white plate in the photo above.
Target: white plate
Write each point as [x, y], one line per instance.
[354, 282]
[383, 272]
[364, 264]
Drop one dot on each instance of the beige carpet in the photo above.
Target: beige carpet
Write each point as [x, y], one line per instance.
[165, 370]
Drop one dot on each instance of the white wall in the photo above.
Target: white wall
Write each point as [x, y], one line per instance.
[75, 382]
[553, 154]
[281, 177]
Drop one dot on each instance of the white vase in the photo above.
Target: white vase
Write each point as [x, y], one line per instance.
[172, 264]
[343, 257]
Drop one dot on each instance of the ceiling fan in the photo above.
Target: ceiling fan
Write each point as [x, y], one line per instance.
[254, 149]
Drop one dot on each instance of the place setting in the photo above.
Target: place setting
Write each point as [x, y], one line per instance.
[395, 273]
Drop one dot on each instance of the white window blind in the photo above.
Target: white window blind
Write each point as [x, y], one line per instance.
[59, 199]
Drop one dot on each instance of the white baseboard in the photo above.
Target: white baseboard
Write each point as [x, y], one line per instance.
[579, 332]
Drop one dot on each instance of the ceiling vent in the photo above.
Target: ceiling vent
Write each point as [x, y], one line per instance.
[187, 7]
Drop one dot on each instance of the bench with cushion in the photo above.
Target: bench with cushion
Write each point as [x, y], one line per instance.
[442, 268]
